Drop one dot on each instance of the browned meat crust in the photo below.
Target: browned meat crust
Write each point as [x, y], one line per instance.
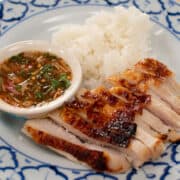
[134, 97]
[100, 114]
[154, 69]
[144, 72]
[116, 127]
[116, 131]
[107, 116]
[96, 159]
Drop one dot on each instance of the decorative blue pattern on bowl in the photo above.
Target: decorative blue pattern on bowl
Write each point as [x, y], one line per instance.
[16, 165]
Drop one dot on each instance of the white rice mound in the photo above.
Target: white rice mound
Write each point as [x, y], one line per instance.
[107, 43]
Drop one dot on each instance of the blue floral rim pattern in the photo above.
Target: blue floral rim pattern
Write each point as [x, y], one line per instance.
[16, 165]
[166, 13]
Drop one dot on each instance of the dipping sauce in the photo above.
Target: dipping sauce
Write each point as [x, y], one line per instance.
[33, 78]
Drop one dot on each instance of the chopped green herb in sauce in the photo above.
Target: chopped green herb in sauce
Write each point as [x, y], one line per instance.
[18, 87]
[47, 68]
[39, 95]
[30, 78]
[49, 56]
[20, 59]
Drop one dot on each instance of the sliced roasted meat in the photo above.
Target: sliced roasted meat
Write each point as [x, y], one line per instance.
[136, 97]
[164, 112]
[164, 83]
[143, 133]
[48, 133]
[136, 152]
[134, 80]
[153, 75]
[98, 108]
[92, 117]
[166, 132]
[111, 128]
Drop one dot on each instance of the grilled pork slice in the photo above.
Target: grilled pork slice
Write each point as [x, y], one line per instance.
[155, 145]
[156, 77]
[98, 107]
[168, 89]
[164, 112]
[143, 133]
[48, 133]
[151, 120]
[169, 95]
[167, 132]
[158, 107]
[133, 80]
[136, 152]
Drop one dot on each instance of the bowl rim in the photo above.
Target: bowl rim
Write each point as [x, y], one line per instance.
[41, 45]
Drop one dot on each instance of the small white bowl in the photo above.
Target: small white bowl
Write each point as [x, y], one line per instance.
[35, 45]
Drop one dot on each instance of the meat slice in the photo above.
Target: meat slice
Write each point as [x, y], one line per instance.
[155, 145]
[163, 81]
[134, 80]
[153, 75]
[111, 128]
[48, 133]
[164, 112]
[98, 114]
[92, 117]
[136, 152]
[167, 93]
[143, 133]
[167, 132]
[151, 120]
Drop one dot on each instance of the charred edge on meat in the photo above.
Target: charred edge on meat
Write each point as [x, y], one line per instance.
[117, 131]
[136, 100]
[117, 128]
[155, 68]
[93, 158]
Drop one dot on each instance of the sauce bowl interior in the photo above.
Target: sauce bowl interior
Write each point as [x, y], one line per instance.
[43, 46]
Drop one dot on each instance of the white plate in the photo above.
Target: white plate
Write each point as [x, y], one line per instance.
[20, 20]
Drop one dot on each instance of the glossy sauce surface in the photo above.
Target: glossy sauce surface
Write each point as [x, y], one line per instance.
[33, 77]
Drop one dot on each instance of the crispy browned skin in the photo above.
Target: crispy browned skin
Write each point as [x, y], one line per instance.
[93, 158]
[107, 115]
[144, 72]
[107, 118]
[154, 68]
[136, 98]
[145, 77]
[116, 131]
[101, 115]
